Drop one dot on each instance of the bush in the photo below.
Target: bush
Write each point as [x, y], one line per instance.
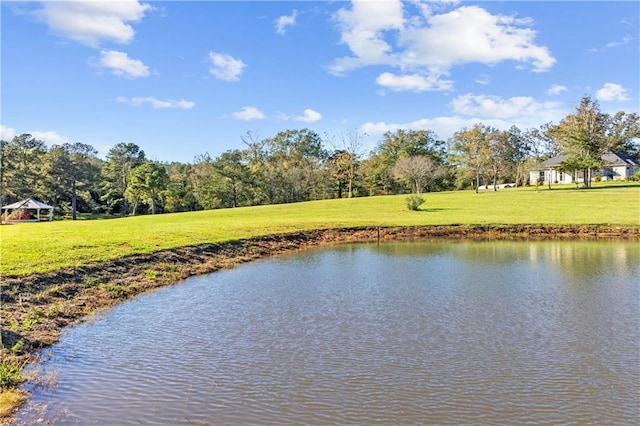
[414, 202]
[635, 177]
[11, 374]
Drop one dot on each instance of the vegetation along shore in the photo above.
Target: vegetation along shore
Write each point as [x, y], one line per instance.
[58, 273]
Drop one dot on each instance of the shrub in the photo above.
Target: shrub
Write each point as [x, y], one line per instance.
[414, 202]
[11, 373]
[635, 177]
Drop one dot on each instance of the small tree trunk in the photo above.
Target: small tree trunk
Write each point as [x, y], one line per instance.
[74, 201]
[235, 195]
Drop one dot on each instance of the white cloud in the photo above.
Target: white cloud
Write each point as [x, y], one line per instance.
[7, 133]
[121, 65]
[413, 82]
[495, 107]
[470, 34]
[155, 103]
[625, 40]
[612, 92]
[49, 137]
[248, 113]
[91, 22]
[309, 116]
[494, 111]
[443, 127]
[483, 79]
[225, 67]
[362, 29]
[556, 89]
[377, 33]
[285, 21]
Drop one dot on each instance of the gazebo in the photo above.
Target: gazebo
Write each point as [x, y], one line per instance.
[28, 210]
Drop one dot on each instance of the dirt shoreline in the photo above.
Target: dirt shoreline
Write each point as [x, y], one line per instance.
[36, 308]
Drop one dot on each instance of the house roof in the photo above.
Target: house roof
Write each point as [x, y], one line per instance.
[609, 158]
[29, 203]
[617, 159]
[554, 161]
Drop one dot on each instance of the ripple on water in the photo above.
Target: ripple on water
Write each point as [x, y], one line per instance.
[410, 334]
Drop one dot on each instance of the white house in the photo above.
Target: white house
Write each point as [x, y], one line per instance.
[616, 167]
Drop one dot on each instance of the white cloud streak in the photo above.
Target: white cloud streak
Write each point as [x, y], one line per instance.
[49, 137]
[413, 82]
[121, 65]
[7, 133]
[309, 116]
[286, 21]
[556, 89]
[92, 22]
[497, 107]
[155, 103]
[248, 113]
[612, 92]
[225, 67]
[470, 109]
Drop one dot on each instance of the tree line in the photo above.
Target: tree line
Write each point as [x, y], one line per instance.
[298, 165]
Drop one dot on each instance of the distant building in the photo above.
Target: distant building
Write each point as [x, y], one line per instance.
[616, 167]
[28, 210]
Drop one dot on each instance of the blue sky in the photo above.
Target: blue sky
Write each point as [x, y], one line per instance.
[184, 78]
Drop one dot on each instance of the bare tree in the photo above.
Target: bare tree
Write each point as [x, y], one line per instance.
[346, 157]
[417, 170]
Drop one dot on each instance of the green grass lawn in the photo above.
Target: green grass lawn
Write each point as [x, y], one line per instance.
[48, 246]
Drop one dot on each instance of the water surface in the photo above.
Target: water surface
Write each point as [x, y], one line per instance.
[401, 333]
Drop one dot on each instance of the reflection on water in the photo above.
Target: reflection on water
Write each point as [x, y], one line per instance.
[401, 333]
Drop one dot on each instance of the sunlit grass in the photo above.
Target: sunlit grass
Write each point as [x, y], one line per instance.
[38, 247]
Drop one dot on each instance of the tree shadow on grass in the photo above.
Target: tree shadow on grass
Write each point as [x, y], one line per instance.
[572, 187]
[433, 210]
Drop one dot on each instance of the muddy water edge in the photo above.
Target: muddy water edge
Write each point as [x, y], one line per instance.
[35, 309]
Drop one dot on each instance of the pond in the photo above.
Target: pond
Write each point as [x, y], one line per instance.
[396, 333]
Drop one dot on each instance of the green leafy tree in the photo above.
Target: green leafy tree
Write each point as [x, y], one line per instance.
[179, 195]
[516, 151]
[291, 166]
[394, 146]
[72, 169]
[471, 150]
[147, 183]
[21, 169]
[342, 168]
[121, 159]
[235, 178]
[623, 134]
[584, 138]
[206, 182]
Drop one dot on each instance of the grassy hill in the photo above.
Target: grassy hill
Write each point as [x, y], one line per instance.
[40, 247]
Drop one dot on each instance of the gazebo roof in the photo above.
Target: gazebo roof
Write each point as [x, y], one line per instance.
[29, 203]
